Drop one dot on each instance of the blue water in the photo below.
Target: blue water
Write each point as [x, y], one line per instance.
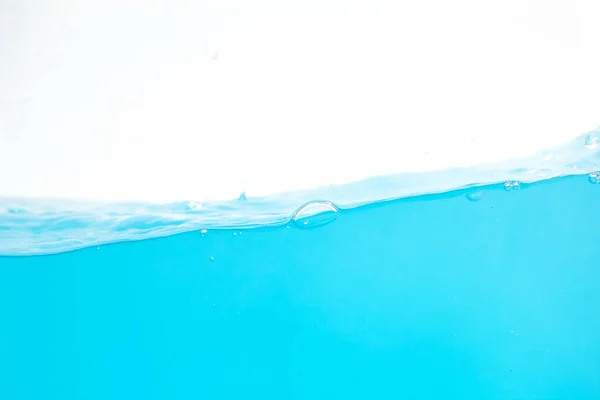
[484, 293]
[49, 226]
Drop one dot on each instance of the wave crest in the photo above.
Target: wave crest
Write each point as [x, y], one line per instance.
[33, 227]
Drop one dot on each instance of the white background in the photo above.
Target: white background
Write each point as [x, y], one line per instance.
[178, 100]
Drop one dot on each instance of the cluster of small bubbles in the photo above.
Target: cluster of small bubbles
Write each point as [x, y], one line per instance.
[192, 205]
[592, 139]
[512, 185]
[594, 177]
[203, 232]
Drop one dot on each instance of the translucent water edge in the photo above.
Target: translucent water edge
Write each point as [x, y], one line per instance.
[36, 227]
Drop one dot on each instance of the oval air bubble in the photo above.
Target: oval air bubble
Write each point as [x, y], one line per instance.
[314, 214]
[594, 177]
[475, 196]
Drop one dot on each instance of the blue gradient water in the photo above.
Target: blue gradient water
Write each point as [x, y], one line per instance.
[31, 226]
[484, 293]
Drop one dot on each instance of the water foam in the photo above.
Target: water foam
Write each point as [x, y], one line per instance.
[33, 227]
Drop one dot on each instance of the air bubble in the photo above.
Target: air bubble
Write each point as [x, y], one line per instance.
[314, 214]
[211, 259]
[512, 185]
[594, 177]
[475, 196]
[203, 232]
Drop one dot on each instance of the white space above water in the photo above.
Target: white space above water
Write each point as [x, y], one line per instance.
[159, 101]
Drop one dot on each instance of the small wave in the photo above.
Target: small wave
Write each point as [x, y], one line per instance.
[35, 227]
